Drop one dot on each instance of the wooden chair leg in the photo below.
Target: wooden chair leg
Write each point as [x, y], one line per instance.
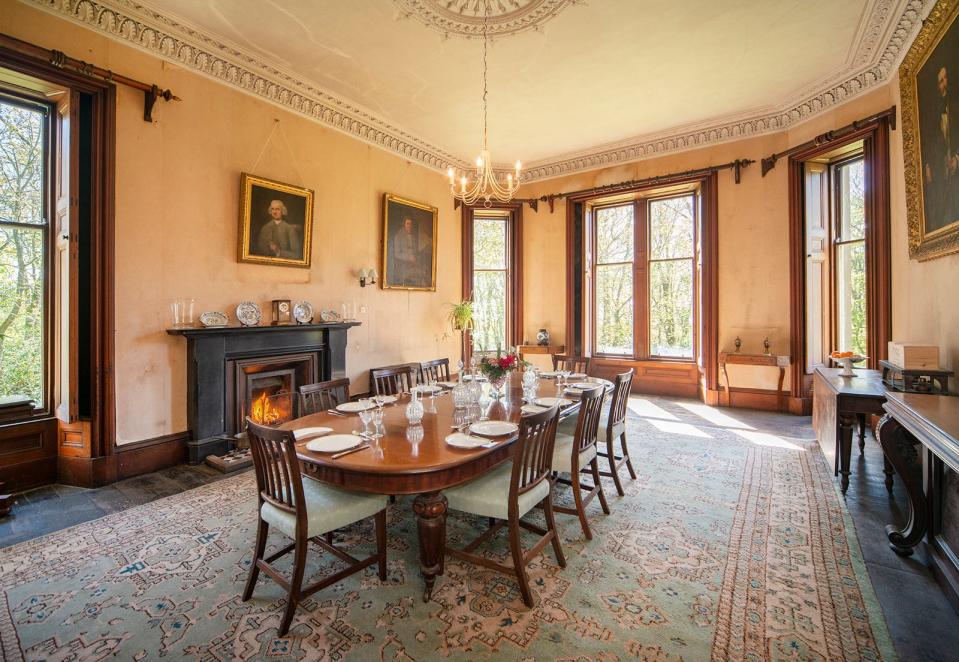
[580, 506]
[629, 462]
[381, 543]
[329, 537]
[262, 529]
[518, 566]
[299, 566]
[594, 465]
[613, 468]
[551, 526]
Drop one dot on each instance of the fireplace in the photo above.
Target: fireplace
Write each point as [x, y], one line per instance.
[254, 381]
[227, 367]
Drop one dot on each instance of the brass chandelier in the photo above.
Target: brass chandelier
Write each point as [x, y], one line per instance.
[486, 184]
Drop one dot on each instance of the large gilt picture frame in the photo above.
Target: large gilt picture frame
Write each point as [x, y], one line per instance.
[409, 245]
[276, 222]
[929, 86]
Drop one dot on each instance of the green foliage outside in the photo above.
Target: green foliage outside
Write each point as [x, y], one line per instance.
[851, 288]
[489, 283]
[21, 252]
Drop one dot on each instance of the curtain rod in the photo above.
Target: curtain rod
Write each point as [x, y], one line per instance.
[61, 60]
[550, 198]
[770, 161]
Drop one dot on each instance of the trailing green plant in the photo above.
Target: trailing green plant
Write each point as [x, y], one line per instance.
[461, 315]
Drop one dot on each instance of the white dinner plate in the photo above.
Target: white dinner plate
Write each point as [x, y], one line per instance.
[460, 440]
[426, 388]
[578, 375]
[305, 433]
[550, 402]
[532, 409]
[334, 443]
[385, 399]
[354, 406]
[549, 374]
[479, 378]
[493, 428]
[447, 384]
[585, 386]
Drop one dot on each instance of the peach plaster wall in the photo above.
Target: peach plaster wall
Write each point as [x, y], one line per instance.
[177, 199]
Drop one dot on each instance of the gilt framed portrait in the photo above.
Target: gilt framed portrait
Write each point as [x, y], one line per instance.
[276, 222]
[409, 245]
[929, 86]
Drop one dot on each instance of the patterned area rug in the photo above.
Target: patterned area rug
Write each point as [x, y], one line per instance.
[730, 545]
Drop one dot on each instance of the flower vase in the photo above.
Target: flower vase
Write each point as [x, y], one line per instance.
[496, 386]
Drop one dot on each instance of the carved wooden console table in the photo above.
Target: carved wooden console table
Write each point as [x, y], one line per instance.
[919, 435]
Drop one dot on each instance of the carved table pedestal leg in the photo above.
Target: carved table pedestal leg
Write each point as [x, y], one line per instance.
[902, 452]
[844, 447]
[6, 502]
[430, 509]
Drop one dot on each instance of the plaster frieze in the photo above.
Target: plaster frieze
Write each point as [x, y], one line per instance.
[883, 38]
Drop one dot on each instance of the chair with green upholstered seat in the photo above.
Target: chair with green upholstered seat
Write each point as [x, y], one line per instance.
[303, 510]
[507, 493]
[576, 454]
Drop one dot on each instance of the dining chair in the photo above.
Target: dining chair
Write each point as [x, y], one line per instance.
[394, 379]
[509, 491]
[438, 370]
[323, 395]
[571, 363]
[303, 510]
[576, 455]
[613, 422]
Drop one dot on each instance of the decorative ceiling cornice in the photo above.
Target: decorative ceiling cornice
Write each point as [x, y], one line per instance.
[883, 38]
[464, 18]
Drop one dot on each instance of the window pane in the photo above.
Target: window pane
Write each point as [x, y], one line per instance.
[489, 243]
[671, 308]
[852, 201]
[851, 296]
[614, 309]
[21, 311]
[614, 234]
[489, 310]
[671, 228]
[21, 164]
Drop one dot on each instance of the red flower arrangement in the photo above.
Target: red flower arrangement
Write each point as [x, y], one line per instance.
[498, 367]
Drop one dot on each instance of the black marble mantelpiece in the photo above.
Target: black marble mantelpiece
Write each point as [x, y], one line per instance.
[210, 351]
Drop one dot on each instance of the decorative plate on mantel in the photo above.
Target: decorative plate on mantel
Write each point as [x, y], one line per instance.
[214, 318]
[248, 313]
[303, 312]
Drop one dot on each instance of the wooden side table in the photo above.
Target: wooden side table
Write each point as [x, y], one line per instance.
[772, 360]
[540, 349]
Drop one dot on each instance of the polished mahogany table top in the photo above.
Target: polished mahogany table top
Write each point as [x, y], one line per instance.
[402, 463]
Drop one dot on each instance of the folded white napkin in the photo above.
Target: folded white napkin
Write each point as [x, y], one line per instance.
[306, 433]
[463, 440]
[532, 409]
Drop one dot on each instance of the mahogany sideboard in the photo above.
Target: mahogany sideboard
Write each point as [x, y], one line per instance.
[919, 435]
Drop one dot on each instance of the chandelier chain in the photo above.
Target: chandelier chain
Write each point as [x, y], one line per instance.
[485, 86]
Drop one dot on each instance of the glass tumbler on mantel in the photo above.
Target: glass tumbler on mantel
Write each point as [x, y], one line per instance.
[182, 311]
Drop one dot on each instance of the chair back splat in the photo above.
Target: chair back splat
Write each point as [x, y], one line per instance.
[438, 370]
[533, 456]
[590, 412]
[394, 379]
[277, 468]
[323, 395]
[571, 363]
[617, 406]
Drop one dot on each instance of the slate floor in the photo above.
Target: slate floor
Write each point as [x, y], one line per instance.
[922, 623]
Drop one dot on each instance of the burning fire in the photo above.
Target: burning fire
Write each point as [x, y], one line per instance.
[263, 412]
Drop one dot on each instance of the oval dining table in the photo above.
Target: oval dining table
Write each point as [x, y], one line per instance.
[398, 463]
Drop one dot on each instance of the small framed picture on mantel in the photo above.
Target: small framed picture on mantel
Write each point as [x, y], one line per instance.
[276, 222]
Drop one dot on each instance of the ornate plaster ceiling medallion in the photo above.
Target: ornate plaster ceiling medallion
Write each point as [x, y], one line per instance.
[464, 18]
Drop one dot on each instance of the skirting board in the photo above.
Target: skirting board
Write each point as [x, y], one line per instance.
[126, 461]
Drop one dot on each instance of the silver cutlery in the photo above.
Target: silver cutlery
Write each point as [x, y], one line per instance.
[335, 413]
[347, 452]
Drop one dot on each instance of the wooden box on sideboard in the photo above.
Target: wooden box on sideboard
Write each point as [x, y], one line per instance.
[911, 356]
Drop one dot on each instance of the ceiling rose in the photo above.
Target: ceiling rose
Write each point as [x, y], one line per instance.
[464, 18]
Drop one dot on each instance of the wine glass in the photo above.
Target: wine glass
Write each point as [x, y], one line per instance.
[376, 415]
[366, 414]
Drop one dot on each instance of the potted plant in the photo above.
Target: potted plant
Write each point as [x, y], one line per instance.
[460, 319]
